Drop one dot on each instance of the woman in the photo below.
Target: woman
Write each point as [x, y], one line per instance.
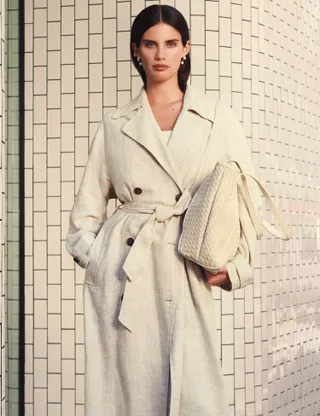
[149, 316]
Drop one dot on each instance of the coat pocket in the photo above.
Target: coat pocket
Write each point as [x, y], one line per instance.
[95, 250]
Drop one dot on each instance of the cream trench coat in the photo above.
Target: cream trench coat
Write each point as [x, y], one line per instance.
[150, 340]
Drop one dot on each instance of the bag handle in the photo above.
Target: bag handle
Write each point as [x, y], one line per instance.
[286, 232]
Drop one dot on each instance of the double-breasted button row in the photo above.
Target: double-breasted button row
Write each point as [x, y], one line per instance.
[138, 191]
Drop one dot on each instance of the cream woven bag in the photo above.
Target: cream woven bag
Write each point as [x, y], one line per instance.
[211, 227]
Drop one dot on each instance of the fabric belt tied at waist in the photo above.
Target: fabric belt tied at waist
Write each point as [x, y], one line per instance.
[135, 266]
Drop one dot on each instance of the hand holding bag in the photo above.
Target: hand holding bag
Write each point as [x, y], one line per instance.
[211, 229]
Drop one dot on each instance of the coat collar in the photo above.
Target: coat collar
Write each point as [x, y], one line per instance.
[193, 101]
[182, 156]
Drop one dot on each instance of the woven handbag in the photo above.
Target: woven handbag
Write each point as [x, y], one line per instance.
[211, 228]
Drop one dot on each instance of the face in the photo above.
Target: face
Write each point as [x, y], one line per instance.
[161, 51]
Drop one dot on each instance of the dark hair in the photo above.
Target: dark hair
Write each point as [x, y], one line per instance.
[150, 16]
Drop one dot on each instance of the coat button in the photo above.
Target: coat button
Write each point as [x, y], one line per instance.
[138, 191]
[130, 241]
[178, 197]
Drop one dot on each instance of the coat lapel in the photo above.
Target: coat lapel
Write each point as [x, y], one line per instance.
[189, 135]
[141, 126]
[189, 138]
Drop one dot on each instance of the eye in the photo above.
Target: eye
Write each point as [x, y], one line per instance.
[148, 44]
[172, 43]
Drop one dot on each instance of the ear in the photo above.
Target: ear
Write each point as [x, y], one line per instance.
[134, 48]
[187, 47]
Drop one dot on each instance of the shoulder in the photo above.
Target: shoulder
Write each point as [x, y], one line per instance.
[112, 117]
[109, 115]
[210, 100]
[126, 109]
[202, 103]
[208, 105]
[225, 113]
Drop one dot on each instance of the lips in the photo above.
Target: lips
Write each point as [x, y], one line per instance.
[160, 66]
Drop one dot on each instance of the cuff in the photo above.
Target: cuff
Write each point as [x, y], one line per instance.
[233, 276]
[240, 272]
[82, 261]
[81, 249]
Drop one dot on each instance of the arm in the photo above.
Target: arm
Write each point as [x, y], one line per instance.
[89, 210]
[240, 267]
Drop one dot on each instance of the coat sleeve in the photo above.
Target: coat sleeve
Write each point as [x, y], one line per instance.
[240, 268]
[89, 210]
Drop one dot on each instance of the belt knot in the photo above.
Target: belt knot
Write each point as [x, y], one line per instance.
[163, 212]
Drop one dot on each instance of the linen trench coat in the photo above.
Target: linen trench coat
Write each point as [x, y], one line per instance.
[150, 338]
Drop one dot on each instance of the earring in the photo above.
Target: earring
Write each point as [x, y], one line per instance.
[139, 60]
[183, 60]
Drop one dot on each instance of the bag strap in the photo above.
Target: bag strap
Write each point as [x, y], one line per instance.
[286, 232]
[256, 220]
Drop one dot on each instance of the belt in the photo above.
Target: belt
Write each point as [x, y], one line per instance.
[135, 266]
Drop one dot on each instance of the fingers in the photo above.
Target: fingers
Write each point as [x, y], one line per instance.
[218, 279]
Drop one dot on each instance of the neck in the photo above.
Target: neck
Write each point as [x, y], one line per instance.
[163, 92]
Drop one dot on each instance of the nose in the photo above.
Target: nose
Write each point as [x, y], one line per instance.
[160, 54]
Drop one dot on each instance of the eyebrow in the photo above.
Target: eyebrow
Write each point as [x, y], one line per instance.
[169, 40]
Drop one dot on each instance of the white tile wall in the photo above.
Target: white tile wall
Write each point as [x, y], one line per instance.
[263, 59]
